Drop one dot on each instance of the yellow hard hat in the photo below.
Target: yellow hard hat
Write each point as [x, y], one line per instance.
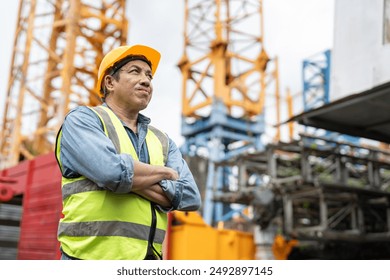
[119, 53]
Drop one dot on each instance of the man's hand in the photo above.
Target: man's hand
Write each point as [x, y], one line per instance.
[171, 174]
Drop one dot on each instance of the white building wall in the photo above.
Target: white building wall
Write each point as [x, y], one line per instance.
[360, 58]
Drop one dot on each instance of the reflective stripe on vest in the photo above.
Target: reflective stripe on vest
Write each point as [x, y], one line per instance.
[99, 224]
[110, 228]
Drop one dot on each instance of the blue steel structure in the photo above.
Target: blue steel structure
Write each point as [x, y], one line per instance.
[316, 88]
[218, 134]
[316, 80]
[225, 78]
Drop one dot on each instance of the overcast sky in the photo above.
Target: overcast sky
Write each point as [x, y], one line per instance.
[294, 30]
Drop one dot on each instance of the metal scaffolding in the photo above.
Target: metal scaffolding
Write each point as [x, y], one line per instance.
[320, 194]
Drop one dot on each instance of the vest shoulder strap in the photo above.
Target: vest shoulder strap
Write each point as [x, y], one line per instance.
[108, 126]
[163, 139]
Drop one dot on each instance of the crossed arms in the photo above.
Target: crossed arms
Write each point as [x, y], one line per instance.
[146, 178]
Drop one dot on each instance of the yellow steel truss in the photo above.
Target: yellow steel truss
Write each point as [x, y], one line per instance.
[224, 58]
[57, 49]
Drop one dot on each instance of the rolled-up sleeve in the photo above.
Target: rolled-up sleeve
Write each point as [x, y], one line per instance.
[85, 150]
[183, 193]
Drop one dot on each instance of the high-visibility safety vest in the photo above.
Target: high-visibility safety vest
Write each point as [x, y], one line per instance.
[100, 224]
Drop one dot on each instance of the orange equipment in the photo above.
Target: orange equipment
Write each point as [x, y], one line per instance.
[282, 248]
[190, 238]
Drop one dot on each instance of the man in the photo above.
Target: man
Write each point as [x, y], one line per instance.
[120, 175]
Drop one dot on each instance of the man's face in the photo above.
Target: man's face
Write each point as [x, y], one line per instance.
[134, 87]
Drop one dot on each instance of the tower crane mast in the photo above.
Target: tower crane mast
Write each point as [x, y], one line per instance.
[226, 75]
[224, 58]
[58, 45]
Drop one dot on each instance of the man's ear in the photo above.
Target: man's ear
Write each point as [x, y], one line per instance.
[108, 82]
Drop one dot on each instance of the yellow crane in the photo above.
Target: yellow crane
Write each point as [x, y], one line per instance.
[57, 48]
[226, 77]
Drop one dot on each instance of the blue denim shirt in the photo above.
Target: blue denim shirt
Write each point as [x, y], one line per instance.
[85, 150]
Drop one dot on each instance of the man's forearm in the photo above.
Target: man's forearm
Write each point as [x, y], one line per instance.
[146, 175]
[156, 194]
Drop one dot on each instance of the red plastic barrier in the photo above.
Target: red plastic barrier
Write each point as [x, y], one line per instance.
[6, 193]
[38, 183]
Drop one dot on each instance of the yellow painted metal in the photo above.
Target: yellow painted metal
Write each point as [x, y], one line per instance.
[57, 49]
[290, 114]
[277, 101]
[193, 239]
[281, 247]
[224, 58]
